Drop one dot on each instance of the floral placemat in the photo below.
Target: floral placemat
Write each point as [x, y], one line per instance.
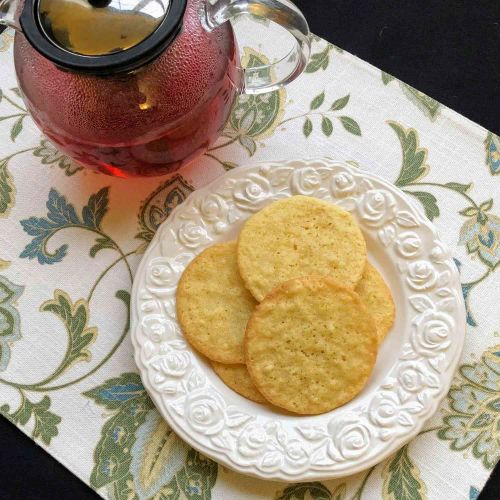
[71, 240]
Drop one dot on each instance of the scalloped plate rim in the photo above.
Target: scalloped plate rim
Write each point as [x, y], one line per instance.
[395, 442]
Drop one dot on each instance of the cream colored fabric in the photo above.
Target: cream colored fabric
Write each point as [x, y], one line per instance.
[86, 405]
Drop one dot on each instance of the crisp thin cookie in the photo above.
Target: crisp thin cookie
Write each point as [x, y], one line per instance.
[310, 345]
[375, 294]
[213, 305]
[300, 236]
[238, 379]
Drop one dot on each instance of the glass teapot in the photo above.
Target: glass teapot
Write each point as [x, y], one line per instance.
[140, 87]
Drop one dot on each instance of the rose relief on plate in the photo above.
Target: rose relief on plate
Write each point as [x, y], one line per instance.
[415, 364]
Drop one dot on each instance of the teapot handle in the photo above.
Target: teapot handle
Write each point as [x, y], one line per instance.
[260, 79]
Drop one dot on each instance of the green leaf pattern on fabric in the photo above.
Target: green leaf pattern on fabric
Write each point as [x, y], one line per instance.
[6, 40]
[45, 422]
[308, 491]
[492, 145]
[10, 321]
[7, 189]
[16, 128]
[480, 233]
[402, 478]
[96, 208]
[473, 418]
[257, 117]
[326, 116]
[159, 204]
[16, 114]
[138, 455]
[321, 60]
[413, 166]
[51, 156]
[112, 455]
[254, 117]
[327, 126]
[387, 78]
[307, 127]
[317, 101]
[428, 201]
[429, 106]
[75, 318]
[460, 188]
[340, 103]
[350, 125]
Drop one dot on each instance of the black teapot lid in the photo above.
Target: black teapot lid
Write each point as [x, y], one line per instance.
[101, 36]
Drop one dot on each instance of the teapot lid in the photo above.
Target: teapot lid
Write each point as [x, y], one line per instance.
[101, 36]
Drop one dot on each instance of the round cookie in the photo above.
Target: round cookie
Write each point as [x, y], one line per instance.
[300, 236]
[310, 345]
[213, 305]
[238, 379]
[375, 294]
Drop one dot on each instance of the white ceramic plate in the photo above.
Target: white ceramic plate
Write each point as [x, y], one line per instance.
[415, 364]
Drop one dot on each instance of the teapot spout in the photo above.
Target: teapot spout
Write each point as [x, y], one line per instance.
[9, 14]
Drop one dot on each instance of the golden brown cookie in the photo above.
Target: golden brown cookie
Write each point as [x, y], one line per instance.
[377, 298]
[310, 345]
[238, 379]
[300, 236]
[213, 305]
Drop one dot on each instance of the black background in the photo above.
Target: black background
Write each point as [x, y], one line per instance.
[448, 49]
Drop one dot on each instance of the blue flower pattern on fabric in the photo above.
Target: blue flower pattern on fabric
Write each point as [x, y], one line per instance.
[493, 153]
[121, 392]
[138, 453]
[481, 233]
[473, 493]
[466, 288]
[472, 420]
[60, 215]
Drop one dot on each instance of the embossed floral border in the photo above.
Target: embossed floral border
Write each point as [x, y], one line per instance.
[338, 443]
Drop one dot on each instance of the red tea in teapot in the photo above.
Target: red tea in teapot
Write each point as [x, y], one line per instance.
[147, 122]
[141, 87]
